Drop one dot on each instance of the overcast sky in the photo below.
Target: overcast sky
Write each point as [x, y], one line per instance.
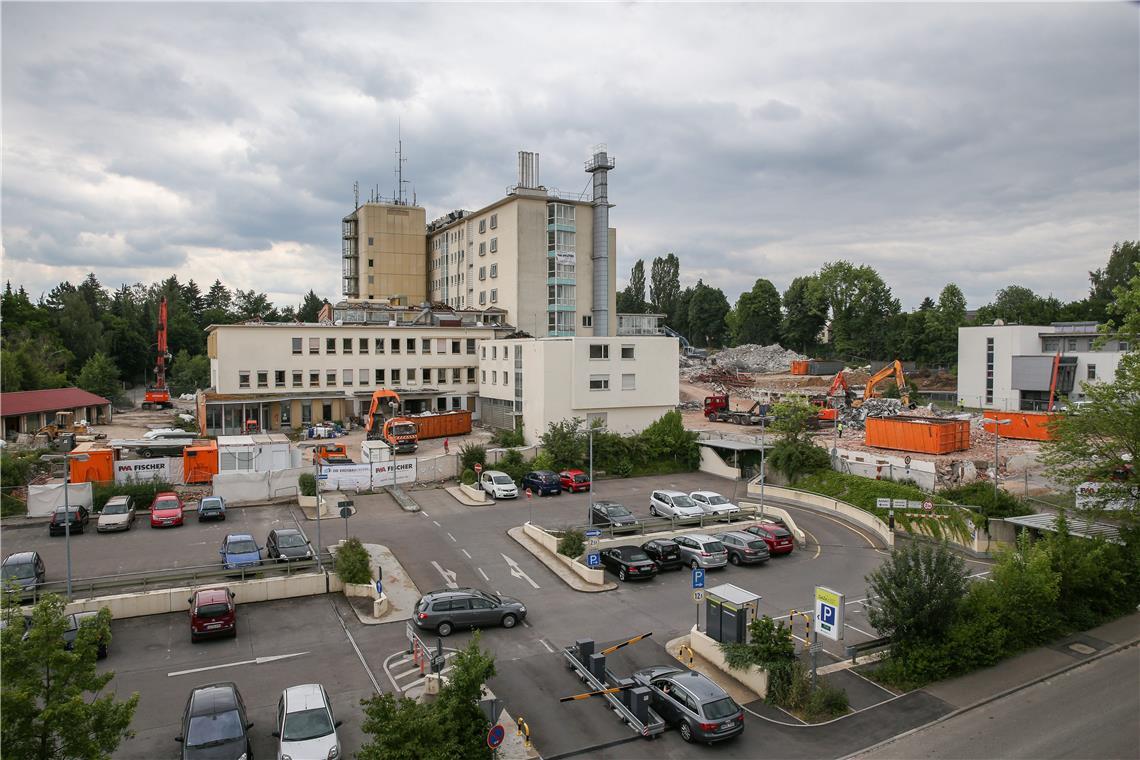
[984, 145]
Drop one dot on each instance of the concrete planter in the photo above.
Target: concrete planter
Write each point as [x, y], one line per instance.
[754, 678]
[593, 575]
[473, 492]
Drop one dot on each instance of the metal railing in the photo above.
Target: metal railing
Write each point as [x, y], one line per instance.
[660, 524]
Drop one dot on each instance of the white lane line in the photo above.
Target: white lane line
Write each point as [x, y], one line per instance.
[860, 631]
[425, 514]
[413, 672]
[526, 624]
[451, 537]
[255, 661]
[483, 574]
[465, 552]
[518, 572]
[359, 654]
[437, 523]
[448, 576]
[418, 681]
[548, 647]
[401, 661]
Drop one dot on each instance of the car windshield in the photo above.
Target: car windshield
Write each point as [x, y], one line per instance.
[166, 504]
[290, 540]
[637, 557]
[115, 509]
[722, 708]
[717, 499]
[213, 610]
[756, 544]
[404, 429]
[581, 479]
[307, 724]
[502, 480]
[25, 570]
[208, 730]
[210, 503]
[617, 510]
[683, 501]
[241, 547]
[713, 547]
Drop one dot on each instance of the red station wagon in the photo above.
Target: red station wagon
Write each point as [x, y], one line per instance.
[778, 539]
[212, 613]
[166, 511]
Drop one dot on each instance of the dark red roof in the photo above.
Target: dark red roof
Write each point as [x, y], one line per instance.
[51, 400]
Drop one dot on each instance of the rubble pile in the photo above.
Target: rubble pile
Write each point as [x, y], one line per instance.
[724, 378]
[853, 417]
[754, 358]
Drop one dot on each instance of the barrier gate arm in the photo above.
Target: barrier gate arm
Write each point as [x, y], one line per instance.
[648, 730]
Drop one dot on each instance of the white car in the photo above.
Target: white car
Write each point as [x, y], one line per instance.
[673, 504]
[118, 514]
[713, 503]
[499, 485]
[305, 726]
[164, 433]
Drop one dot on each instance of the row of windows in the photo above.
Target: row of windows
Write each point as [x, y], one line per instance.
[494, 272]
[483, 296]
[362, 345]
[494, 223]
[348, 377]
[602, 351]
[483, 246]
[602, 382]
[495, 374]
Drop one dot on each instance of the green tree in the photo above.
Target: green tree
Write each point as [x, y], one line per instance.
[631, 300]
[100, 376]
[249, 304]
[756, 318]
[1126, 306]
[805, 313]
[794, 454]
[565, 442]
[1019, 304]
[707, 311]
[51, 698]
[770, 646]
[310, 307]
[1123, 264]
[678, 316]
[861, 309]
[1028, 588]
[189, 373]
[942, 323]
[916, 594]
[665, 285]
[667, 439]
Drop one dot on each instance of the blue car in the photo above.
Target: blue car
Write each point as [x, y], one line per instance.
[542, 482]
[239, 550]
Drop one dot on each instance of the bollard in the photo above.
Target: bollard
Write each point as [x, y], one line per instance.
[585, 648]
[681, 653]
[639, 703]
[597, 666]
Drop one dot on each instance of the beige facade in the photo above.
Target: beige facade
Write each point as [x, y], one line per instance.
[383, 253]
[625, 383]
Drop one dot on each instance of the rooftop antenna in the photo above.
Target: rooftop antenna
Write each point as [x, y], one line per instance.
[401, 198]
[355, 194]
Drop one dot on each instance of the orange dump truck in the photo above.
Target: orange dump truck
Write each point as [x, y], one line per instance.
[918, 434]
[1026, 426]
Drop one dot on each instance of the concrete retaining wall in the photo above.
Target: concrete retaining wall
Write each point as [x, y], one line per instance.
[827, 504]
[754, 678]
[714, 465]
[797, 531]
[473, 492]
[596, 576]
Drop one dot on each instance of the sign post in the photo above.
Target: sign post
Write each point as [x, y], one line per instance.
[829, 606]
[593, 559]
[698, 590]
[496, 735]
[347, 510]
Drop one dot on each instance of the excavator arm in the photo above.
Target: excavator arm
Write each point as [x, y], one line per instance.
[894, 368]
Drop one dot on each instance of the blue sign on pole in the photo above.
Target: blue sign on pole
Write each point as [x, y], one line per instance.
[593, 560]
[698, 578]
[593, 533]
[496, 735]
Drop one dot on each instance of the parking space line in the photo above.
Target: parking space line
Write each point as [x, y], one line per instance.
[465, 553]
[483, 574]
[452, 538]
[425, 514]
[858, 630]
[437, 523]
[818, 545]
[548, 647]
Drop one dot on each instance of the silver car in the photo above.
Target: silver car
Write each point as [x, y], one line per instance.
[447, 609]
[699, 550]
[673, 504]
[118, 514]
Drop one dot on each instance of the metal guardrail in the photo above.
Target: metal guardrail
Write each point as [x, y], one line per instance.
[854, 650]
[152, 580]
[659, 524]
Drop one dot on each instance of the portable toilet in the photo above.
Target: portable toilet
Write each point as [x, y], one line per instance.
[729, 610]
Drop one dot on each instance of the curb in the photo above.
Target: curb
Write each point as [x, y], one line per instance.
[554, 566]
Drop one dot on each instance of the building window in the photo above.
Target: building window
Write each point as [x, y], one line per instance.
[1072, 344]
[330, 345]
[243, 379]
[395, 345]
[425, 346]
[410, 345]
[482, 297]
[362, 376]
[599, 351]
[482, 273]
[483, 375]
[298, 378]
[627, 352]
[494, 295]
[348, 377]
[483, 249]
[370, 260]
[494, 352]
[629, 382]
[314, 345]
[314, 378]
[326, 411]
[470, 346]
[454, 374]
[307, 411]
[455, 347]
[989, 370]
[346, 345]
[296, 345]
[395, 376]
[1092, 372]
[380, 377]
[599, 382]
[1124, 345]
[587, 321]
[494, 244]
[279, 378]
[262, 378]
[370, 243]
[470, 374]
[494, 270]
[379, 343]
[482, 225]
[330, 378]
[482, 352]
[363, 345]
[425, 375]
[494, 225]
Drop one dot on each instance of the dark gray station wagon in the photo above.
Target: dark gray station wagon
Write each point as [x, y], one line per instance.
[701, 710]
[445, 610]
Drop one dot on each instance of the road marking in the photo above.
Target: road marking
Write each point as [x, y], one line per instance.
[255, 661]
[452, 538]
[437, 523]
[425, 514]
[483, 574]
[818, 546]
[526, 624]
[857, 630]
[448, 576]
[848, 526]
[465, 552]
[548, 647]
[517, 571]
[355, 648]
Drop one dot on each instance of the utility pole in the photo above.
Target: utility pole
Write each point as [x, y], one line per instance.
[317, 481]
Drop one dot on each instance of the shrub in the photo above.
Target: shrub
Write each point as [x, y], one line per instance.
[796, 458]
[308, 484]
[826, 702]
[353, 563]
[917, 591]
[470, 455]
[572, 544]
[770, 647]
[543, 462]
[468, 478]
[565, 442]
[143, 492]
[513, 464]
[667, 439]
[981, 495]
[506, 439]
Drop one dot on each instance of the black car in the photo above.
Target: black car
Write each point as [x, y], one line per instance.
[612, 514]
[215, 724]
[79, 519]
[744, 548]
[288, 543]
[628, 562]
[26, 571]
[701, 710]
[542, 482]
[664, 552]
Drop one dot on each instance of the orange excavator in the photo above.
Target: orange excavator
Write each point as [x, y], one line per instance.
[894, 368]
[839, 383]
[158, 395]
[828, 413]
[383, 423]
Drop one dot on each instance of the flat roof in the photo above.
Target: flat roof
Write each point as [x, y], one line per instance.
[732, 445]
[1077, 526]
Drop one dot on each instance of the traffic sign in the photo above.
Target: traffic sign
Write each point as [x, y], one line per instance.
[592, 542]
[347, 512]
[593, 559]
[698, 578]
[883, 503]
[698, 595]
[496, 735]
[323, 476]
[593, 533]
[928, 505]
[906, 459]
[437, 662]
[478, 468]
[528, 493]
[829, 613]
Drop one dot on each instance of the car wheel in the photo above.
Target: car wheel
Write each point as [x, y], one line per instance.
[734, 559]
[694, 564]
[621, 574]
[653, 510]
[444, 629]
[223, 518]
[509, 621]
[145, 453]
[686, 731]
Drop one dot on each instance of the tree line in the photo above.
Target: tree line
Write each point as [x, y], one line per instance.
[866, 321]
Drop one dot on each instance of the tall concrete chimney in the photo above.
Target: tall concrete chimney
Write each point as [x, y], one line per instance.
[599, 166]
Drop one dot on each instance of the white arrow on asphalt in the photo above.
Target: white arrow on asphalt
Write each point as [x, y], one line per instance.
[517, 571]
[256, 661]
[448, 576]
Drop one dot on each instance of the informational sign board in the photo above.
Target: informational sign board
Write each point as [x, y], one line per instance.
[593, 559]
[391, 472]
[898, 503]
[829, 613]
[139, 470]
[698, 595]
[883, 503]
[593, 533]
[698, 578]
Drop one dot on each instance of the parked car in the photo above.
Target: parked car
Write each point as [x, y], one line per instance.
[778, 539]
[212, 613]
[701, 710]
[77, 515]
[542, 482]
[215, 724]
[713, 503]
[168, 433]
[25, 570]
[447, 609]
[574, 480]
[166, 510]
[305, 724]
[628, 562]
[664, 552]
[118, 514]
[71, 632]
[240, 550]
[673, 504]
[744, 548]
[610, 513]
[211, 508]
[699, 550]
[775, 520]
[288, 543]
[499, 485]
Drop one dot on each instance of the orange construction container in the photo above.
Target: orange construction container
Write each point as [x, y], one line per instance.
[99, 466]
[921, 434]
[1026, 426]
[200, 462]
[442, 425]
[800, 367]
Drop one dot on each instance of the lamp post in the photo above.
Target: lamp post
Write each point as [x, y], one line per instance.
[763, 474]
[66, 459]
[997, 437]
[317, 483]
[590, 433]
[392, 445]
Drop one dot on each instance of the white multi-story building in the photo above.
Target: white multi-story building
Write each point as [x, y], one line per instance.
[1011, 367]
[623, 383]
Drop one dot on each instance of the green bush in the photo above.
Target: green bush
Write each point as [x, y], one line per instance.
[980, 494]
[565, 442]
[143, 492]
[468, 478]
[505, 439]
[10, 505]
[770, 646]
[308, 484]
[513, 465]
[353, 563]
[796, 458]
[572, 544]
[470, 455]
[543, 462]
[826, 702]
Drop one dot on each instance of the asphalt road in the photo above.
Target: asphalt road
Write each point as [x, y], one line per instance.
[1092, 711]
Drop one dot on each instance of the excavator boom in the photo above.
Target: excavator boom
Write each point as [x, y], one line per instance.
[894, 368]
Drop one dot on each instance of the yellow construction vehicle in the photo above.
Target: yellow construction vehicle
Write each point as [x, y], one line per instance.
[64, 423]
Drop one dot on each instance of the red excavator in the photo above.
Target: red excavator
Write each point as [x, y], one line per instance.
[158, 395]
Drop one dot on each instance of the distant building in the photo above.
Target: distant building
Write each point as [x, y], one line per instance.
[1010, 367]
[382, 246]
[28, 411]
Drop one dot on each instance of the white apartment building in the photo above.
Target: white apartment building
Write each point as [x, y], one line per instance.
[1010, 367]
[625, 383]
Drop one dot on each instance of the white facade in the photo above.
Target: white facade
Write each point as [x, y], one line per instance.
[626, 382]
[1003, 366]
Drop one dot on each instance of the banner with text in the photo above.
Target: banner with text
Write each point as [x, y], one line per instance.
[144, 469]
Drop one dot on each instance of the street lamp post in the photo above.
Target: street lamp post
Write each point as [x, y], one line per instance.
[997, 437]
[317, 482]
[392, 445]
[67, 459]
[590, 433]
[763, 474]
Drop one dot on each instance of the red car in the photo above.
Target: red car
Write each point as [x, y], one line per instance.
[778, 539]
[574, 480]
[212, 613]
[166, 511]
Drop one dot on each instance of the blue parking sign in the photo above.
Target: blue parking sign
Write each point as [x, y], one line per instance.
[593, 560]
[698, 577]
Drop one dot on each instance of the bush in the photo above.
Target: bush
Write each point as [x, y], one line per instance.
[543, 462]
[770, 647]
[505, 439]
[667, 439]
[143, 492]
[826, 702]
[796, 458]
[470, 455]
[981, 495]
[468, 478]
[353, 563]
[513, 464]
[565, 442]
[308, 484]
[572, 544]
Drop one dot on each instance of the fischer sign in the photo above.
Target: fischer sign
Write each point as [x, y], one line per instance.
[143, 469]
[383, 473]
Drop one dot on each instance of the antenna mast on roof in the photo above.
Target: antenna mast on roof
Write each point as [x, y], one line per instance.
[401, 199]
[355, 195]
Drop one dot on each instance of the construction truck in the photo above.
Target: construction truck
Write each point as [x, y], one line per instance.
[332, 453]
[383, 423]
[158, 395]
[718, 409]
